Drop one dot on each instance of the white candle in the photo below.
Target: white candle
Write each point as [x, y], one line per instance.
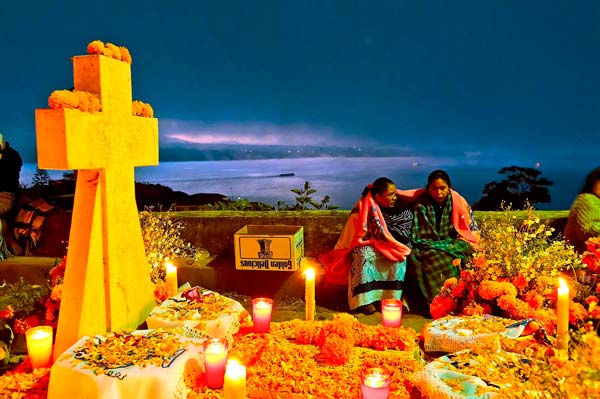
[215, 358]
[39, 346]
[261, 314]
[171, 279]
[391, 312]
[309, 293]
[375, 383]
[235, 381]
[562, 315]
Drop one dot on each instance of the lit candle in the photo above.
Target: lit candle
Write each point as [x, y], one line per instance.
[215, 358]
[391, 312]
[39, 345]
[375, 383]
[309, 293]
[261, 314]
[562, 315]
[235, 381]
[171, 279]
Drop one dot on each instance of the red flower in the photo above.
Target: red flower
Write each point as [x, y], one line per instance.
[520, 282]
[7, 313]
[441, 306]
[459, 289]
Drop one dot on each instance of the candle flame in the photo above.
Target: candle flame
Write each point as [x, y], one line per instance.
[561, 283]
[170, 267]
[309, 273]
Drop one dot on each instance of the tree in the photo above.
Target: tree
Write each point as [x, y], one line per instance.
[40, 178]
[521, 186]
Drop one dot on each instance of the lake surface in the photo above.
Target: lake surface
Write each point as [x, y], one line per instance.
[343, 179]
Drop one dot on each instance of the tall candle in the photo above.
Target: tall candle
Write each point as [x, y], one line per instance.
[261, 314]
[215, 358]
[562, 315]
[375, 383]
[235, 381]
[309, 293]
[391, 312]
[171, 279]
[39, 346]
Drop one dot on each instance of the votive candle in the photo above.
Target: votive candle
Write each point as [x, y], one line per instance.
[261, 314]
[171, 279]
[562, 315]
[39, 346]
[391, 312]
[215, 359]
[309, 293]
[235, 380]
[375, 383]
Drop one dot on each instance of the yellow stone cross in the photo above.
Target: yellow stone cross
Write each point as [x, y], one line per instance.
[107, 283]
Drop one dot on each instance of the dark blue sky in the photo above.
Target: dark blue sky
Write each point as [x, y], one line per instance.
[513, 79]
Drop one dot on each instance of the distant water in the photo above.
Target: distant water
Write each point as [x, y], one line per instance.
[343, 179]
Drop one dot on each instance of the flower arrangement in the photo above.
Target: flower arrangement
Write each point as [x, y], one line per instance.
[513, 273]
[77, 99]
[161, 234]
[110, 50]
[142, 109]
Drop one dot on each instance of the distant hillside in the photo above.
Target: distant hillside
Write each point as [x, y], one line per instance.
[226, 152]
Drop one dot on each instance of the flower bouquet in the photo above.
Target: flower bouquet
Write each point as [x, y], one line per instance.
[513, 273]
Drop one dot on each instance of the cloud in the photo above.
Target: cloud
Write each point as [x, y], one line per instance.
[174, 131]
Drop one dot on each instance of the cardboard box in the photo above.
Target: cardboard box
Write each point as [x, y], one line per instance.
[273, 248]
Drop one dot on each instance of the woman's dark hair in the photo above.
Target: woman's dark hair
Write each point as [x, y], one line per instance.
[590, 180]
[379, 186]
[438, 174]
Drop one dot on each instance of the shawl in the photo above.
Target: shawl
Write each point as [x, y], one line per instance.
[583, 221]
[337, 262]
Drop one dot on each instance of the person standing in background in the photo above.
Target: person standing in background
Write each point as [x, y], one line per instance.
[584, 215]
[10, 171]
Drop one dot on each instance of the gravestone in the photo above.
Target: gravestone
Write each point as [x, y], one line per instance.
[107, 285]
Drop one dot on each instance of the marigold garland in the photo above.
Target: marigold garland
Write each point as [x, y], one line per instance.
[110, 50]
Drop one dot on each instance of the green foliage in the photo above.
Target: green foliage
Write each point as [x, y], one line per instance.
[304, 199]
[22, 297]
[41, 178]
[241, 204]
[522, 186]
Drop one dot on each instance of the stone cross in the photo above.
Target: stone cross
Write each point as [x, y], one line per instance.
[107, 281]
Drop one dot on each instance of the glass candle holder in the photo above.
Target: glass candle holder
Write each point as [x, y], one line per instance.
[261, 314]
[375, 383]
[215, 359]
[391, 312]
[39, 346]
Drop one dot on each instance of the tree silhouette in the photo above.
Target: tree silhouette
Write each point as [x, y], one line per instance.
[40, 178]
[522, 186]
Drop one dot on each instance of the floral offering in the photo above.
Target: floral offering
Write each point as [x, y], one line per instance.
[513, 274]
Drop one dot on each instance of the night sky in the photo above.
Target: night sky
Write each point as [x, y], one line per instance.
[514, 80]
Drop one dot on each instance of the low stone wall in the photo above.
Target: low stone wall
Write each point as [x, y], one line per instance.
[214, 230]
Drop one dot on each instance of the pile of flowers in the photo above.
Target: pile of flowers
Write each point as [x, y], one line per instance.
[513, 273]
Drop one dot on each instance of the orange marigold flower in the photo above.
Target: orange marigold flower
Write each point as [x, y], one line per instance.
[490, 289]
[442, 305]
[576, 312]
[125, 55]
[593, 244]
[450, 282]
[459, 289]
[56, 294]
[336, 350]
[534, 299]
[479, 260]
[95, 47]
[7, 313]
[520, 282]
[115, 52]
[140, 108]
[591, 262]
[591, 298]
[456, 262]
[474, 309]
[63, 99]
